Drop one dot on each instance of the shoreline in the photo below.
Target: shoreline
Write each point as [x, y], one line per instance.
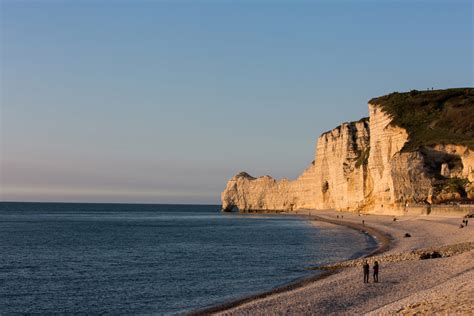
[382, 239]
[427, 268]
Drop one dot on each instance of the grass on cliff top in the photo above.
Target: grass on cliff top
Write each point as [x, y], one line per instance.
[432, 117]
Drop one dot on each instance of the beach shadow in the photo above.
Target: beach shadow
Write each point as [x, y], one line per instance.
[391, 282]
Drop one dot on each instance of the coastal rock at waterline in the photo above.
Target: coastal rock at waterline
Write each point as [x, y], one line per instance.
[336, 179]
[248, 193]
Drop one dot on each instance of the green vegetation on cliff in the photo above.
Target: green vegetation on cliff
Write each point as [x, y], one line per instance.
[432, 117]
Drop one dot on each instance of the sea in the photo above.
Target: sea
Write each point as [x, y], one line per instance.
[154, 259]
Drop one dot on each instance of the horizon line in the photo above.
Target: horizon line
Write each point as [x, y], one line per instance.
[131, 203]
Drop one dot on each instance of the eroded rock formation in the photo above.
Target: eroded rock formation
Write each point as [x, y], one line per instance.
[361, 166]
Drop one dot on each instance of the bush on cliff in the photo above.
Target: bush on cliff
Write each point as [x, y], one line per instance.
[454, 185]
[432, 117]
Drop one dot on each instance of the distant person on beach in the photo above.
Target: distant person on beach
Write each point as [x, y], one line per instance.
[376, 272]
[366, 272]
[363, 222]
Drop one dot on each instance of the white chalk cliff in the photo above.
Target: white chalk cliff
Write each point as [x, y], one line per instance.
[359, 166]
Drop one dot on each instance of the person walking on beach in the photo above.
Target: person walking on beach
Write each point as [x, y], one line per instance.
[376, 272]
[366, 272]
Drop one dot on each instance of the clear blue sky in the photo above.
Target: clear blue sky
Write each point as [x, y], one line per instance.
[163, 101]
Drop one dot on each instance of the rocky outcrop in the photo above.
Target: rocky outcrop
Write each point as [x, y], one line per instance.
[335, 179]
[362, 166]
[461, 164]
[248, 193]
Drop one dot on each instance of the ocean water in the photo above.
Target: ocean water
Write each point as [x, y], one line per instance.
[155, 259]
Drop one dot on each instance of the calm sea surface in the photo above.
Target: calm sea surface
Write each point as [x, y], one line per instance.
[161, 259]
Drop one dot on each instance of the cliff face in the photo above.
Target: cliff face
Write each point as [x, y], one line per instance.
[396, 177]
[362, 166]
[340, 168]
[336, 178]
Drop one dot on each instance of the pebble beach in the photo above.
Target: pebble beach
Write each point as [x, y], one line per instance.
[407, 284]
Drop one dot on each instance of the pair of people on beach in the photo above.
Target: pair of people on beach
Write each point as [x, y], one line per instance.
[366, 269]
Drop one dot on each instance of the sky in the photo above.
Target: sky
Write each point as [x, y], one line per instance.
[164, 101]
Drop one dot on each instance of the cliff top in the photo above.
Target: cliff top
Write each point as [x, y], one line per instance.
[244, 174]
[432, 117]
[364, 120]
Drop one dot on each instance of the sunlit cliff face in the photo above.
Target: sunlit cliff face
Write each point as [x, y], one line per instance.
[361, 166]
